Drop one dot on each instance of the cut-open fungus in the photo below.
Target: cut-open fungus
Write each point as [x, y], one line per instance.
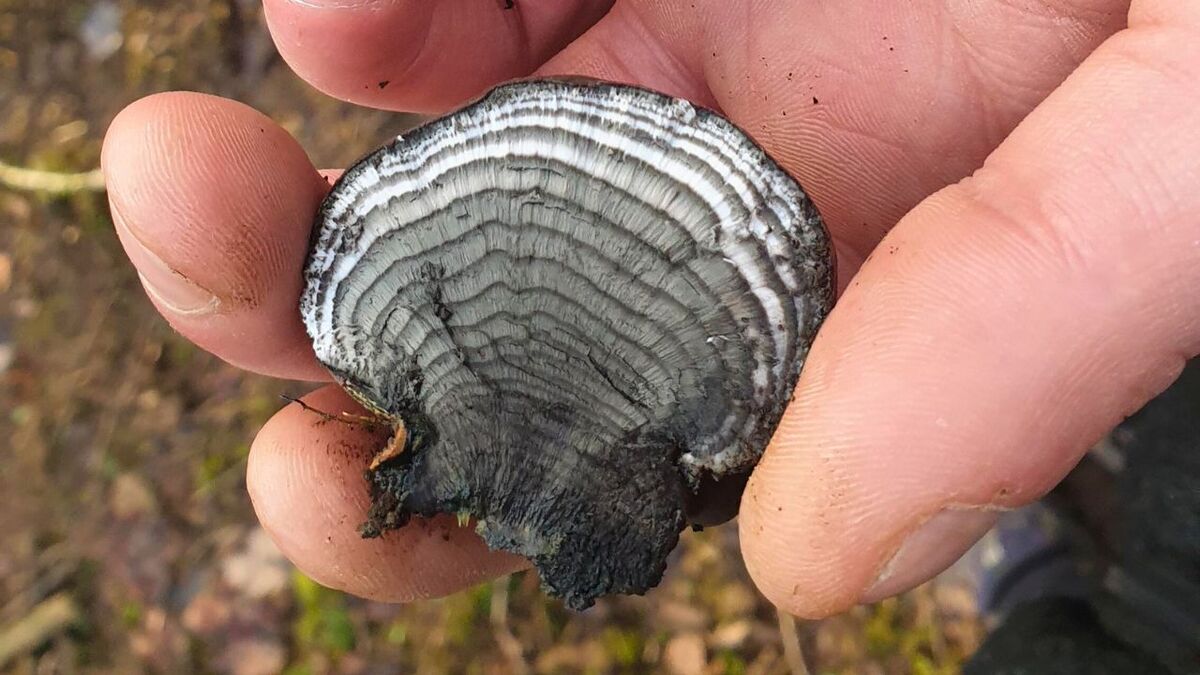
[587, 304]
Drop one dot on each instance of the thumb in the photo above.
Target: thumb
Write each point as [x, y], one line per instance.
[1000, 329]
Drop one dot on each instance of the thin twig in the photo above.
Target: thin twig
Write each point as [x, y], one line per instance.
[505, 639]
[791, 643]
[54, 565]
[345, 418]
[41, 624]
[36, 180]
[308, 408]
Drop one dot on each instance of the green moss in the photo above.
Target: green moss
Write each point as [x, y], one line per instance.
[623, 645]
[179, 353]
[217, 461]
[880, 630]
[110, 467]
[891, 636]
[396, 633]
[731, 663]
[21, 415]
[322, 624]
[131, 614]
[463, 613]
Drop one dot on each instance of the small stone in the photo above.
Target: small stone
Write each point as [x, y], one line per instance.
[734, 600]
[730, 635]
[100, 31]
[259, 570]
[131, 497]
[680, 616]
[685, 655]
[206, 613]
[254, 656]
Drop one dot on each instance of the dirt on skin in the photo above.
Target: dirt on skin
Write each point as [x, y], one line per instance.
[127, 542]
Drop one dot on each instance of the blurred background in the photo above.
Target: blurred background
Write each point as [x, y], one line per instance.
[127, 541]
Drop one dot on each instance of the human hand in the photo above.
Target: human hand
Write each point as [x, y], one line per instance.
[990, 330]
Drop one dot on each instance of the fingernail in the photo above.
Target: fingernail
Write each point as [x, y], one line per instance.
[931, 548]
[170, 289]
